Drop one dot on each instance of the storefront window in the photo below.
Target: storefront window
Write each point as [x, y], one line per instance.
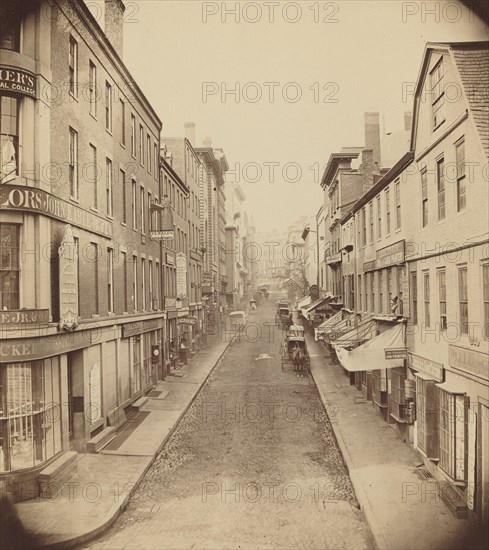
[30, 414]
[148, 340]
[136, 365]
[452, 415]
[9, 266]
[9, 137]
[10, 21]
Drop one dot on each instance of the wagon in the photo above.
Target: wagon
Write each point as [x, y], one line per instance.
[294, 339]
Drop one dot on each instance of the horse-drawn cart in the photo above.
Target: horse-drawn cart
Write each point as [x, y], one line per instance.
[294, 350]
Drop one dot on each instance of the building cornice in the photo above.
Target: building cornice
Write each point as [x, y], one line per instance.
[98, 34]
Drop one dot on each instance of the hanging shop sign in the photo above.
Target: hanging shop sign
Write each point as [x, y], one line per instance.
[30, 199]
[395, 353]
[161, 235]
[68, 282]
[170, 303]
[17, 80]
[181, 262]
[166, 231]
[187, 321]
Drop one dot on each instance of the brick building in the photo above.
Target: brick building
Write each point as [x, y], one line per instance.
[187, 165]
[81, 279]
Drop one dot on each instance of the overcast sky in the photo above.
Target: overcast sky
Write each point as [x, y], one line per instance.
[343, 57]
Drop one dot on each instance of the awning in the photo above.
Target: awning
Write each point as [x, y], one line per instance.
[357, 334]
[344, 325]
[371, 355]
[336, 318]
[306, 310]
[304, 301]
[452, 386]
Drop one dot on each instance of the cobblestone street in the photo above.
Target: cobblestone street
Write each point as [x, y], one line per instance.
[253, 464]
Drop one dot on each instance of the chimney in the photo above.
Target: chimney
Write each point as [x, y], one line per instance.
[190, 132]
[408, 120]
[208, 142]
[114, 21]
[368, 168]
[372, 135]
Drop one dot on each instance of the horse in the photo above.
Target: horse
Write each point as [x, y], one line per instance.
[300, 361]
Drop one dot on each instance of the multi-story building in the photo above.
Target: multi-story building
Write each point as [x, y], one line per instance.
[80, 295]
[212, 186]
[422, 266]
[237, 264]
[448, 263]
[186, 163]
[175, 294]
[343, 184]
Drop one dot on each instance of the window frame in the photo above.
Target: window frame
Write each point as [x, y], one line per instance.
[437, 90]
[441, 276]
[441, 189]
[424, 198]
[110, 281]
[109, 188]
[461, 176]
[108, 106]
[426, 298]
[92, 87]
[73, 66]
[463, 301]
[73, 165]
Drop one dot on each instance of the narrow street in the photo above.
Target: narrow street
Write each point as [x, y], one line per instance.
[253, 464]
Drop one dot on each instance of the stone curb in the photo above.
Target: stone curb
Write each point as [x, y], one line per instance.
[378, 534]
[119, 508]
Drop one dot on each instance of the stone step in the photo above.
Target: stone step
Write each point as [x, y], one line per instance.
[139, 404]
[101, 440]
[57, 473]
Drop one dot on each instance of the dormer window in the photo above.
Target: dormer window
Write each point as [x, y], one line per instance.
[437, 95]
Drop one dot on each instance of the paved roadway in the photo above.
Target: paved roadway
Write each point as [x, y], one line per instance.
[253, 464]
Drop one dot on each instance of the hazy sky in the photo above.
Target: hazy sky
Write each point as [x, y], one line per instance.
[336, 61]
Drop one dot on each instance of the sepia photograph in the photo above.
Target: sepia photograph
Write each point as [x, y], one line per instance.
[244, 275]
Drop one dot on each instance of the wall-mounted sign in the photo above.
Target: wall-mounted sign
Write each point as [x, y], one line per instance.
[18, 81]
[390, 255]
[181, 263]
[30, 199]
[68, 282]
[32, 349]
[170, 258]
[161, 235]
[25, 317]
[395, 353]
[138, 327]
[369, 266]
[187, 321]
[426, 366]
[469, 361]
[170, 303]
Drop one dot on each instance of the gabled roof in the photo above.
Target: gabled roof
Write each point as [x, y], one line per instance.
[472, 62]
[473, 66]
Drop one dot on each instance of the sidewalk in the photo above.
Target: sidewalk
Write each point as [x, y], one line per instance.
[401, 507]
[91, 501]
